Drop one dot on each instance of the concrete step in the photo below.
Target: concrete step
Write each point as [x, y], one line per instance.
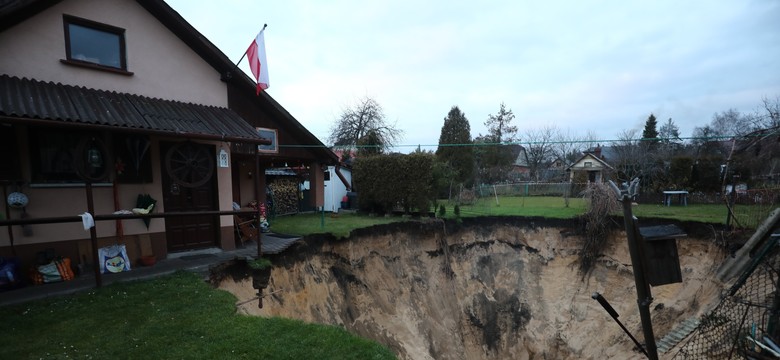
[677, 334]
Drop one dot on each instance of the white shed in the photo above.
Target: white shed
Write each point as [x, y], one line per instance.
[338, 181]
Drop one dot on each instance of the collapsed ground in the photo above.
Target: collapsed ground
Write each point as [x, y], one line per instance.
[486, 288]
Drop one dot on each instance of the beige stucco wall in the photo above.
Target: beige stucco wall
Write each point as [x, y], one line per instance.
[224, 186]
[57, 201]
[163, 66]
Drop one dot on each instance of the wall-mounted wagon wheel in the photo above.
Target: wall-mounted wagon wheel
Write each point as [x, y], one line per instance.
[189, 164]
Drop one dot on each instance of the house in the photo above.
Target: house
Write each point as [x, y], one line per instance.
[591, 167]
[127, 96]
[520, 167]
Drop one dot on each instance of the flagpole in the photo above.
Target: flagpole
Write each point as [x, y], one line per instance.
[243, 56]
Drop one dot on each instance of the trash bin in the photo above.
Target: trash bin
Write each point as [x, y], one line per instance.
[352, 198]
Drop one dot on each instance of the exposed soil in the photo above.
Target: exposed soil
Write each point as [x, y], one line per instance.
[487, 288]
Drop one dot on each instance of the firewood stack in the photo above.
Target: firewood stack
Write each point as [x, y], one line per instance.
[285, 195]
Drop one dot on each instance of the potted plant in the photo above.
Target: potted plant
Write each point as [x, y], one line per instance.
[261, 272]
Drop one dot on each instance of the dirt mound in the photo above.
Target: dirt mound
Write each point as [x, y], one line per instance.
[489, 288]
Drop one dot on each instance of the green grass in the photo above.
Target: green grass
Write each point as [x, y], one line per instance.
[549, 207]
[706, 213]
[174, 317]
[341, 225]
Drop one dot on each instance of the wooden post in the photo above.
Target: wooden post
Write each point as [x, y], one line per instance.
[93, 236]
[259, 196]
[635, 248]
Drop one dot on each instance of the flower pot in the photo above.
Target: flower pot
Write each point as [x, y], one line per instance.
[261, 278]
[148, 260]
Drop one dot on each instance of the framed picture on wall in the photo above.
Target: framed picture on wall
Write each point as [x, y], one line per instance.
[271, 134]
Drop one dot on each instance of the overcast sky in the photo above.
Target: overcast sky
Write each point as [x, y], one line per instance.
[580, 65]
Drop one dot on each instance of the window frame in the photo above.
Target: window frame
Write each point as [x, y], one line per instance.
[273, 147]
[65, 144]
[68, 20]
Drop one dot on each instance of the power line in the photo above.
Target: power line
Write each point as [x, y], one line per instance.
[481, 144]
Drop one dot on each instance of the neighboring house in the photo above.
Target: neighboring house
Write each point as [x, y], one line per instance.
[555, 171]
[130, 94]
[591, 166]
[520, 167]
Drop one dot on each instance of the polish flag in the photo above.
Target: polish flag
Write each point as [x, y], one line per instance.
[257, 62]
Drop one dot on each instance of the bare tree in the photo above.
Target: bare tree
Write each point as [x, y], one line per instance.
[539, 150]
[364, 119]
[771, 118]
[628, 155]
[568, 146]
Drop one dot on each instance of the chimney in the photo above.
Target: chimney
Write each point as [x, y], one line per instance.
[597, 151]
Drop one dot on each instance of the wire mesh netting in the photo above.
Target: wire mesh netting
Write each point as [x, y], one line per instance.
[752, 206]
[745, 323]
[555, 189]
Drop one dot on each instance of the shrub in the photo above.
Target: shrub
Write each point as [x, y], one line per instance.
[602, 201]
[442, 210]
[385, 182]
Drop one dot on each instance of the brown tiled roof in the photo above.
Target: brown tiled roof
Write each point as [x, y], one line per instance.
[32, 99]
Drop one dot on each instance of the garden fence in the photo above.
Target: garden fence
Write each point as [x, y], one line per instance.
[746, 316]
[751, 207]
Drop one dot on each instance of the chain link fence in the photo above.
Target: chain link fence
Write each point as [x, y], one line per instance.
[556, 189]
[750, 207]
[745, 323]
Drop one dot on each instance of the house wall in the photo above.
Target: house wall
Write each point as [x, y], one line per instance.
[163, 66]
[317, 185]
[247, 181]
[58, 200]
[596, 167]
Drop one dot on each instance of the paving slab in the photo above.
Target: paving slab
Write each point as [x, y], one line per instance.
[198, 261]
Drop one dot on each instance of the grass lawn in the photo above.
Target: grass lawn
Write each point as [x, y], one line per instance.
[173, 317]
[706, 213]
[550, 207]
[341, 225]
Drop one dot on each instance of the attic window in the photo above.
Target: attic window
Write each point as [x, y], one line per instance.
[588, 164]
[94, 45]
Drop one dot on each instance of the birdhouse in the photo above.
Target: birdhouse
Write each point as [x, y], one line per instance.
[660, 254]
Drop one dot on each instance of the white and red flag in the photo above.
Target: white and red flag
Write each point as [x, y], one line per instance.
[257, 62]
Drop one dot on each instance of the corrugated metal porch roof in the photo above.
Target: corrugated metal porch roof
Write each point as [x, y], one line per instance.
[32, 99]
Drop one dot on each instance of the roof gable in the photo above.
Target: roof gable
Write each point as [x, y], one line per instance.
[597, 164]
[226, 70]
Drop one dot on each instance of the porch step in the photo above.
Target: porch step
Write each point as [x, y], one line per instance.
[275, 243]
[678, 334]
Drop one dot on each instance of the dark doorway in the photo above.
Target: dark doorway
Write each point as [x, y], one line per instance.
[185, 190]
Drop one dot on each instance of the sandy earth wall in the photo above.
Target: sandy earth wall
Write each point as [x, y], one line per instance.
[502, 289]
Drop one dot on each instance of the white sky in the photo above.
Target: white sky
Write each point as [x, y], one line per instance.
[602, 66]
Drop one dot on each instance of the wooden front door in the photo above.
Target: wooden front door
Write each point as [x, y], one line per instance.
[193, 188]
